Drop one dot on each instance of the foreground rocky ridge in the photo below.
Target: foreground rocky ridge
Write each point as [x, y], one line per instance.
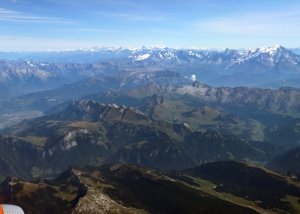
[123, 188]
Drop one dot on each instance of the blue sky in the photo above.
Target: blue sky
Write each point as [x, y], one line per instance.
[73, 24]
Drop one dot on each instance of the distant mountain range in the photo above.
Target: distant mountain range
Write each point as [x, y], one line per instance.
[89, 55]
[272, 67]
[295, 50]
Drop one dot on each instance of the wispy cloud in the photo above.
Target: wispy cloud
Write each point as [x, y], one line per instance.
[84, 30]
[173, 32]
[14, 16]
[20, 43]
[260, 23]
[131, 10]
[133, 17]
[97, 30]
[18, 1]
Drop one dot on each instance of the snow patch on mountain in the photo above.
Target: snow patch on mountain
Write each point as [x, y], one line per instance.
[30, 63]
[140, 57]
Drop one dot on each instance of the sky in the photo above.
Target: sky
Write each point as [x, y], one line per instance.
[33, 25]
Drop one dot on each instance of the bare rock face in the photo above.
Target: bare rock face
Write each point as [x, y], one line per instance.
[286, 100]
[97, 111]
[69, 140]
[95, 202]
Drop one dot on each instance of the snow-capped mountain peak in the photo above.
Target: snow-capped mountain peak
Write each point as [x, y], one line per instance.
[271, 50]
[271, 53]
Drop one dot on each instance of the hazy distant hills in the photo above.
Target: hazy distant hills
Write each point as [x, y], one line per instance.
[21, 77]
[295, 50]
[283, 83]
[42, 100]
[283, 100]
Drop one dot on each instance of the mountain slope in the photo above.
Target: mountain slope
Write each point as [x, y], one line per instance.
[267, 189]
[288, 161]
[87, 132]
[221, 187]
[114, 188]
[252, 113]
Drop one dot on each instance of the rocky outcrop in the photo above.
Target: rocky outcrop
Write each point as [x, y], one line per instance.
[285, 100]
[96, 202]
[91, 110]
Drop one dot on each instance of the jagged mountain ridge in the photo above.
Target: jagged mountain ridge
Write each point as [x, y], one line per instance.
[89, 55]
[283, 100]
[230, 67]
[272, 113]
[273, 109]
[159, 52]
